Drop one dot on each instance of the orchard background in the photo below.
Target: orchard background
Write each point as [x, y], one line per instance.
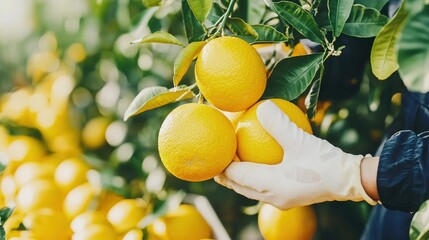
[69, 75]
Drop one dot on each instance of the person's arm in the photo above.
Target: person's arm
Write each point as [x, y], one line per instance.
[368, 173]
[403, 171]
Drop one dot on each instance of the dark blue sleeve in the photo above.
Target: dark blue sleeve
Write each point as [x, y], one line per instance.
[403, 171]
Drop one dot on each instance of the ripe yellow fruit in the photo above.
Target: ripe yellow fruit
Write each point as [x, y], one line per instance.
[85, 219]
[8, 188]
[296, 223]
[48, 224]
[300, 50]
[96, 231]
[93, 134]
[196, 142]
[39, 194]
[20, 235]
[70, 173]
[133, 234]
[79, 200]
[255, 144]
[14, 106]
[107, 200]
[126, 214]
[30, 171]
[13, 222]
[234, 117]
[23, 149]
[185, 222]
[230, 74]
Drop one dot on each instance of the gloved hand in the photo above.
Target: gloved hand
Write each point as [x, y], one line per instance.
[312, 169]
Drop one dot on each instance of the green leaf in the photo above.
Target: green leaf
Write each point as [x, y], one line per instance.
[193, 28]
[158, 37]
[200, 8]
[5, 213]
[240, 27]
[384, 49]
[311, 99]
[300, 19]
[413, 52]
[216, 12]
[415, 6]
[152, 3]
[364, 22]
[184, 60]
[255, 11]
[339, 11]
[172, 202]
[379, 4]
[154, 97]
[268, 34]
[291, 76]
[420, 223]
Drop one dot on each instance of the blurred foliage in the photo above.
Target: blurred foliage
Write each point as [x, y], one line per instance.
[78, 54]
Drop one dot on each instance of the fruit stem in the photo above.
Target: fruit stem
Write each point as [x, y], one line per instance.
[225, 17]
[200, 98]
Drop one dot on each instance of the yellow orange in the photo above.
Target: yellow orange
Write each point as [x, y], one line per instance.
[82, 198]
[296, 223]
[185, 222]
[39, 194]
[96, 231]
[126, 214]
[230, 74]
[70, 173]
[48, 224]
[196, 142]
[255, 144]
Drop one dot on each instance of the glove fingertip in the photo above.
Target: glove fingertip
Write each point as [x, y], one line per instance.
[276, 123]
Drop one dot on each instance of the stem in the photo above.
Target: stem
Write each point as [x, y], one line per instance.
[215, 26]
[200, 98]
[314, 7]
[225, 17]
[192, 86]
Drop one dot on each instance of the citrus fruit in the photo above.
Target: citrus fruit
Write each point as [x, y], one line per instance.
[254, 144]
[79, 200]
[24, 148]
[107, 200]
[230, 74]
[48, 224]
[300, 49]
[93, 134]
[30, 171]
[185, 222]
[8, 187]
[81, 221]
[70, 173]
[20, 235]
[39, 194]
[96, 231]
[196, 142]
[133, 234]
[125, 214]
[296, 223]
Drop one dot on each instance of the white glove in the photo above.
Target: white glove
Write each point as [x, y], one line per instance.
[312, 169]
